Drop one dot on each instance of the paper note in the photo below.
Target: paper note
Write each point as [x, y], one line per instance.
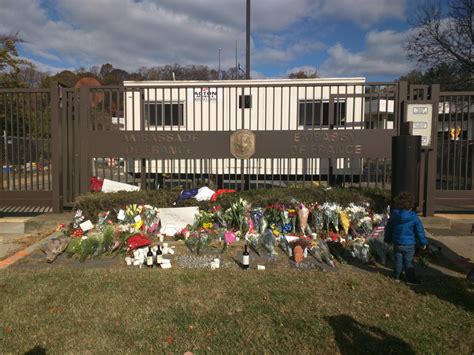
[175, 219]
[86, 226]
[121, 215]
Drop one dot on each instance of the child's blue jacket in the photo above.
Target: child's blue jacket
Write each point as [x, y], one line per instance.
[404, 228]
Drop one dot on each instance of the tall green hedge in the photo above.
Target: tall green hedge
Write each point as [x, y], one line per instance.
[93, 203]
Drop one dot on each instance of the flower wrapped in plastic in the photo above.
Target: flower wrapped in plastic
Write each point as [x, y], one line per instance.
[151, 218]
[285, 246]
[331, 212]
[355, 212]
[219, 217]
[365, 225]
[292, 217]
[249, 226]
[78, 219]
[315, 251]
[235, 214]
[303, 215]
[257, 218]
[360, 250]
[344, 222]
[268, 242]
[317, 220]
[326, 256]
[229, 237]
[198, 242]
[204, 219]
[254, 242]
[103, 220]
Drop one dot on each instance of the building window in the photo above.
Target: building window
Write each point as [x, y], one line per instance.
[247, 101]
[159, 113]
[310, 113]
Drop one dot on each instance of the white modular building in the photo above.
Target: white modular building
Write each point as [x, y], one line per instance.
[256, 105]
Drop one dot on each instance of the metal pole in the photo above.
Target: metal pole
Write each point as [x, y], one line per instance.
[219, 71]
[236, 68]
[247, 50]
[10, 177]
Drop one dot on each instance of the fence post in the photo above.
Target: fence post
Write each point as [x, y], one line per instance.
[84, 108]
[56, 149]
[430, 175]
[402, 97]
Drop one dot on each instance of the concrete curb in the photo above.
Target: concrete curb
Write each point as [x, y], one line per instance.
[27, 251]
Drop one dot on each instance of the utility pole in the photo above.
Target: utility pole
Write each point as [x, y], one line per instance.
[247, 59]
[236, 64]
[219, 71]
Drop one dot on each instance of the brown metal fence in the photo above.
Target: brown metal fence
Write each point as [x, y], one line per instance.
[176, 134]
[25, 149]
[455, 151]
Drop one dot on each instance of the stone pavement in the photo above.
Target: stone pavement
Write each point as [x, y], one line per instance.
[19, 233]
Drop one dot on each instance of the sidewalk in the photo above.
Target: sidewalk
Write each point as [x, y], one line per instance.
[19, 233]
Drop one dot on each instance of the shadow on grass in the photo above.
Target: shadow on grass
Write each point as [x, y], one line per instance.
[353, 337]
[37, 350]
[455, 290]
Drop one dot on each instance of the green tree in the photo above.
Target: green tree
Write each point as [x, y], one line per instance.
[10, 62]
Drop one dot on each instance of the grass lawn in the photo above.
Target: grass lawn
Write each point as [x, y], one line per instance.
[232, 311]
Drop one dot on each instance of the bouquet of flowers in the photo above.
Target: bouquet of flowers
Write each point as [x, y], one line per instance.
[303, 215]
[198, 242]
[258, 219]
[103, 220]
[317, 220]
[268, 242]
[273, 214]
[326, 256]
[254, 242]
[355, 213]
[365, 225]
[235, 214]
[331, 215]
[151, 217]
[360, 250]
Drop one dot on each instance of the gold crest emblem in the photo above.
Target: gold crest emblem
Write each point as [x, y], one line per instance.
[242, 144]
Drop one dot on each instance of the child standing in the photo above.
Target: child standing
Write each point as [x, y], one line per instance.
[404, 229]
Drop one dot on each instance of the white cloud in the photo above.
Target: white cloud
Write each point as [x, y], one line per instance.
[361, 12]
[383, 55]
[278, 53]
[130, 33]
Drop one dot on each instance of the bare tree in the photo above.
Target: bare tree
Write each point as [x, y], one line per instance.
[304, 74]
[444, 36]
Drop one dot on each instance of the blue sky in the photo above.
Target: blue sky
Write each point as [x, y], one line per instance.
[338, 38]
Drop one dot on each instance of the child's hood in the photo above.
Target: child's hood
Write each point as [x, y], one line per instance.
[403, 216]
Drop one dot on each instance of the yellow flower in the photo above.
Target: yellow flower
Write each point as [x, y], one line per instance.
[138, 224]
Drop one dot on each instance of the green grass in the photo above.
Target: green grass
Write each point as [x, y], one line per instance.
[231, 311]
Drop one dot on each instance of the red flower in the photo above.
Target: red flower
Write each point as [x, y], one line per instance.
[78, 233]
[95, 184]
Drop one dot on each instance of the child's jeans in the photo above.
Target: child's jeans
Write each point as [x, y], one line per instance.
[404, 255]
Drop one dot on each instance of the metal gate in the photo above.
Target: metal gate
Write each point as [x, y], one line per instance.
[180, 134]
[242, 135]
[26, 147]
[455, 167]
